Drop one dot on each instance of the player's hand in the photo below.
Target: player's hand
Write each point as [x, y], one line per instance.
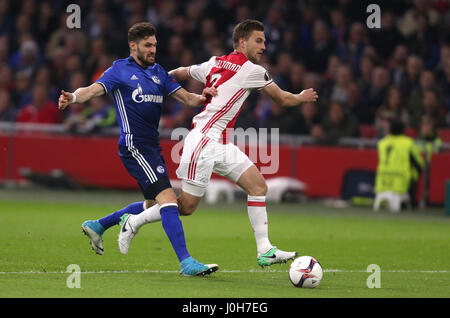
[308, 95]
[65, 99]
[208, 92]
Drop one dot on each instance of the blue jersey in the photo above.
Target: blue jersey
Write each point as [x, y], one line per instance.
[138, 96]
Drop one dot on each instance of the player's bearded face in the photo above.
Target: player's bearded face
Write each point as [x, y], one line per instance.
[146, 51]
[255, 46]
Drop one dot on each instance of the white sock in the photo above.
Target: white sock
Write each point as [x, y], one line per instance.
[147, 216]
[257, 214]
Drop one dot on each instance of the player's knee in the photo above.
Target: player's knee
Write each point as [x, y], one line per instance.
[259, 189]
[186, 209]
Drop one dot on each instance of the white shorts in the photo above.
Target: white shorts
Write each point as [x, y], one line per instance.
[202, 156]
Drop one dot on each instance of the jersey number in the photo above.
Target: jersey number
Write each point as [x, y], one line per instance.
[215, 78]
[388, 154]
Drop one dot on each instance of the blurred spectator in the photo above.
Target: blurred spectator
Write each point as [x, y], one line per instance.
[7, 110]
[444, 56]
[430, 106]
[6, 18]
[428, 139]
[104, 62]
[96, 116]
[175, 49]
[193, 19]
[133, 8]
[352, 50]
[22, 91]
[408, 24]
[279, 117]
[397, 63]
[427, 81]
[329, 76]
[308, 17]
[97, 50]
[105, 28]
[385, 39]
[283, 69]
[305, 117]
[75, 43]
[394, 108]
[313, 80]
[6, 80]
[356, 106]
[71, 40]
[429, 143]
[44, 76]
[273, 28]
[41, 109]
[289, 42]
[46, 22]
[338, 26]
[73, 63]
[27, 59]
[340, 89]
[337, 124]
[4, 49]
[443, 76]
[365, 74]
[424, 42]
[77, 79]
[378, 88]
[411, 79]
[22, 29]
[296, 75]
[57, 64]
[316, 57]
[241, 13]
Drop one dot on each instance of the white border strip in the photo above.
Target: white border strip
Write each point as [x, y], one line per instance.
[226, 271]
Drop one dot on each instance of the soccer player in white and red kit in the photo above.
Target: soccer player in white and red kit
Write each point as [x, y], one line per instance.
[207, 148]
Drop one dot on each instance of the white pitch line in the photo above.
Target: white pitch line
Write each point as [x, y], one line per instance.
[225, 271]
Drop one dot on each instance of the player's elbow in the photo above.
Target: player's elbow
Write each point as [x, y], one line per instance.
[179, 74]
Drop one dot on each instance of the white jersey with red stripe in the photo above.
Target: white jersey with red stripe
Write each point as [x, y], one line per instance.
[234, 76]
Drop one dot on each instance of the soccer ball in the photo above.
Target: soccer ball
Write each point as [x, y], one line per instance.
[305, 272]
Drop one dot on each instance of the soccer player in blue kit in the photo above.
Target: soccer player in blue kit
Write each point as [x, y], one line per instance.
[138, 86]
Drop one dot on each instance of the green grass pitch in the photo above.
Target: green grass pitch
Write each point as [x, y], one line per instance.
[41, 236]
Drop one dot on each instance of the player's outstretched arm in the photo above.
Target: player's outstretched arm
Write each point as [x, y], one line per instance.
[81, 95]
[285, 98]
[192, 99]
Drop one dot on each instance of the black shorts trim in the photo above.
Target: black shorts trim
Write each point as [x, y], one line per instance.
[156, 188]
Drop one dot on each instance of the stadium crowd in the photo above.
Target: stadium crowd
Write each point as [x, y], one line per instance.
[363, 76]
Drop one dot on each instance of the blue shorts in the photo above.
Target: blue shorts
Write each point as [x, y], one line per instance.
[146, 165]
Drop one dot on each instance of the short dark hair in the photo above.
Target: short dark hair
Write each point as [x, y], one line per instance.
[397, 127]
[244, 29]
[140, 30]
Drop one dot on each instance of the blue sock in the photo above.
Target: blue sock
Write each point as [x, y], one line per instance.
[174, 230]
[114, 218]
